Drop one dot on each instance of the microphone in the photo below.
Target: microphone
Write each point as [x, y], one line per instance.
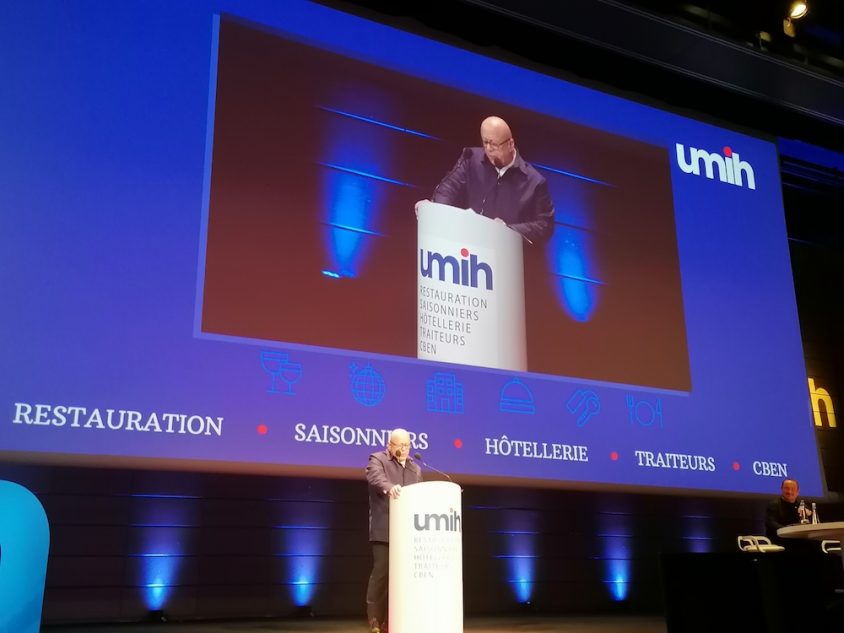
[491, 189]
[418, 457]
[465, 155]
[526, 239]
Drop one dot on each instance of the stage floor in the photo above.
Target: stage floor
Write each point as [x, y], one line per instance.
[515, 624]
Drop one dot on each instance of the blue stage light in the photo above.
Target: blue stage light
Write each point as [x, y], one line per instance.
[571, 261]
[616, 539]
[356, 157]
[523, 573]
[617, 566]
[303, 591]
[165, 523]
[159, 575]
[520, 547]
[618, 583]
[303, 549]
[346, 236]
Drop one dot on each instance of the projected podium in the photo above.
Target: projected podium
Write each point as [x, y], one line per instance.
[470, 289]
[426, 559]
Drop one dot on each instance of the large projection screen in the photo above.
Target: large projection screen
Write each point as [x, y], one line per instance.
[212, 263]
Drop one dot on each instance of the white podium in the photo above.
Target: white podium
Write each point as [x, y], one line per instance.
[470, 289]
[426, 559]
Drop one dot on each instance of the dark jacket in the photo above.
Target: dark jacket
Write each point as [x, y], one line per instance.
[520, 197]
[383, 472]
[780, 513]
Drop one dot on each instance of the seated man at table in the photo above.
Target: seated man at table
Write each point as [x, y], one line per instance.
[783, 511]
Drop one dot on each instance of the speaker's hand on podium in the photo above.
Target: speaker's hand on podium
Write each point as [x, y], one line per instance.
[395, 491]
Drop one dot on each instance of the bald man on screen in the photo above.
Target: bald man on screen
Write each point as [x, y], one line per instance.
[495, 181]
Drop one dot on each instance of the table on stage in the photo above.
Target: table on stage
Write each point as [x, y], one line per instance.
[816, 531]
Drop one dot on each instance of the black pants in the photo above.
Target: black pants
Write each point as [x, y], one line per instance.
[379, 583]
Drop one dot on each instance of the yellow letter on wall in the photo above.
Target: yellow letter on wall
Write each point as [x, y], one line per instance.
[821, 395]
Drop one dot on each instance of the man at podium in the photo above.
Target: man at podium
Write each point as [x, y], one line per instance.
[495, 181]
[386, 473]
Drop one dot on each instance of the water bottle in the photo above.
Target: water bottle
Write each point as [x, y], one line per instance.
[815, 519]
[801, 512]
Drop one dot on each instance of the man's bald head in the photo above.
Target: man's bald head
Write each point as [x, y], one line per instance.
[497, 140]
[399, 444]
[495, 126]
[399, 435]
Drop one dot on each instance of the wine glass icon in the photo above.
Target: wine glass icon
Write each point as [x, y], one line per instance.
[291, 372]
[278, 365]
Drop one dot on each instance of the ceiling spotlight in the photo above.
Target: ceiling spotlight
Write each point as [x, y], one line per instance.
[797, 10]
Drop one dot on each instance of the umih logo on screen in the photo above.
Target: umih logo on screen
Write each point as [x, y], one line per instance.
[467, 271]
[730, 167]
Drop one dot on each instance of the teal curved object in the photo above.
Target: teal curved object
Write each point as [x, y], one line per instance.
[24, 547]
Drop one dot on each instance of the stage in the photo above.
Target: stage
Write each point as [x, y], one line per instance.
[504, 624]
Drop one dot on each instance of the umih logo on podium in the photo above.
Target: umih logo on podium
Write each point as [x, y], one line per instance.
[438, 522]
[464, 272]
[470, 289]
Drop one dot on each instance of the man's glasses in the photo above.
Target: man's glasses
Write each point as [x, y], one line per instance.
[493, 145]
[402, 445]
